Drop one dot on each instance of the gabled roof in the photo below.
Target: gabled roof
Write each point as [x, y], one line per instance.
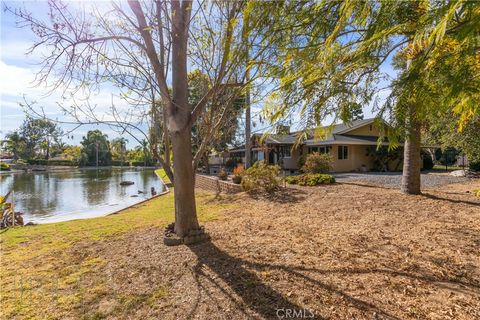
[337, 133]
[344, 128]
[346, 139]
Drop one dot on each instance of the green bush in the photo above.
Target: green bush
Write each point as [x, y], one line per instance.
[43, 162]
[291, 179]
[317, 163]
[427, 162]
[119, 163]
[474, 165]
[260, 176]
[232, 163]
[314, 179]
[37, 162]
[139, 163]
[310, 179]
[4, 166]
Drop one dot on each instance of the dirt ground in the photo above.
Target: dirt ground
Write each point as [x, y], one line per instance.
[341, 252]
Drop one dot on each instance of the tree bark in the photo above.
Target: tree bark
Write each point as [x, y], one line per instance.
[411, 159]
[178, 114]
[248, 116]
[184, 189]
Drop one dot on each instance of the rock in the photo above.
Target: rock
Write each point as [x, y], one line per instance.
[196, 239]
[126, 183]
[172, 241]
[30, 223]
[140, 191]
[458, 173]
[134, 195]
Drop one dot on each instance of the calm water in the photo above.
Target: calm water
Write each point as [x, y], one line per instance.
[83, 193]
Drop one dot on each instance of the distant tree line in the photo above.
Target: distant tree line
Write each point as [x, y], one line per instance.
[39, 141]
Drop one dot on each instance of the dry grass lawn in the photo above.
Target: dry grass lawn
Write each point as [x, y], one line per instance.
[344, 251]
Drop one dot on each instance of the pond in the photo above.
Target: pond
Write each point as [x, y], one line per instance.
[46, 197]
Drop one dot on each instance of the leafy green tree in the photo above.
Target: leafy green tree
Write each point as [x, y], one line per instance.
[15, 144]
[97, 148]
[145, 47]
[39, 134]
[119, 149]
[215, 129]
[76, 154]
[328, 57]
[446, 133]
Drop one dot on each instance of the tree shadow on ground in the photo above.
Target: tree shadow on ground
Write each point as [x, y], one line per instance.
[365, 185]
[434, 197]
[281, 195]
[258, 296]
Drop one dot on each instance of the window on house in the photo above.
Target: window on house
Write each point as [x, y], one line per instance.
[318, 149]
[324, 149]
[285, 151]
[342, 152]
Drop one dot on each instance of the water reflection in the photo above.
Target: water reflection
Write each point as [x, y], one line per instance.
[59, 196]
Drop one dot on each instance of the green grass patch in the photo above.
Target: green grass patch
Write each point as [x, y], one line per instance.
[163, 175]
[34, 256]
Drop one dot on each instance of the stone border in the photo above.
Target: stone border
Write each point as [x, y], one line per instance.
[216, 185]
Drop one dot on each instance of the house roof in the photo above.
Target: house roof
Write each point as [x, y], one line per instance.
[347, 139]
[333, 130]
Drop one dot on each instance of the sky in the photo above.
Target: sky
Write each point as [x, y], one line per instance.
[17, 83]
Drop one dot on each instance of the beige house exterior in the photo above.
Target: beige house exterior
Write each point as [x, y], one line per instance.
[348, 145]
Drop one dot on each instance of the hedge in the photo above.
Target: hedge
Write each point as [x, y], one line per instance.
[310, 179]
[43, 162]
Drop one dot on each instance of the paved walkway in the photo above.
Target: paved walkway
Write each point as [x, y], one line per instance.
[394, 179]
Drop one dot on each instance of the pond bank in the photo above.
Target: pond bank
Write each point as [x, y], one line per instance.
[40, 168]
[54, 196]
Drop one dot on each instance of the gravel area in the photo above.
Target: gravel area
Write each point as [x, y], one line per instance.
[394, 179]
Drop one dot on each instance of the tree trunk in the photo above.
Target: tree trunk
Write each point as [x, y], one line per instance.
[248, 120]
[411, 159]
[184, 190]
[179, 113]
[248, 133]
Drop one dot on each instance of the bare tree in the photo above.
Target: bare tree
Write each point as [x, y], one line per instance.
[147, 48]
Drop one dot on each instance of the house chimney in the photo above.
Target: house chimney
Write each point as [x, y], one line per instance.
[282, 129]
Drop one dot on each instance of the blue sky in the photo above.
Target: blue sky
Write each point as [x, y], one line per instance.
[17, 80]
[18, 71]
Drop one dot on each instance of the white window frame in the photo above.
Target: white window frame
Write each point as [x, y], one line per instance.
[342, 153]
[282, 154]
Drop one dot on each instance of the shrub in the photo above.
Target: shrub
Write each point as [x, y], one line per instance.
[222, 175]
[231, 163]
[314, 179]
[474, 165]
[238, 169]
[261, 176]
[4, 166]
[427, 162]
[317, 163]
[476, 193]
[291, 179]
[43, 162]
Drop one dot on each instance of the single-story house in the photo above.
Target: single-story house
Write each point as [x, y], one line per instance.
[347, 143]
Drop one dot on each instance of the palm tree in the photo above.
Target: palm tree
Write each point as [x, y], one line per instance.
[144, 144]
[13, 143]
[119, 145]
